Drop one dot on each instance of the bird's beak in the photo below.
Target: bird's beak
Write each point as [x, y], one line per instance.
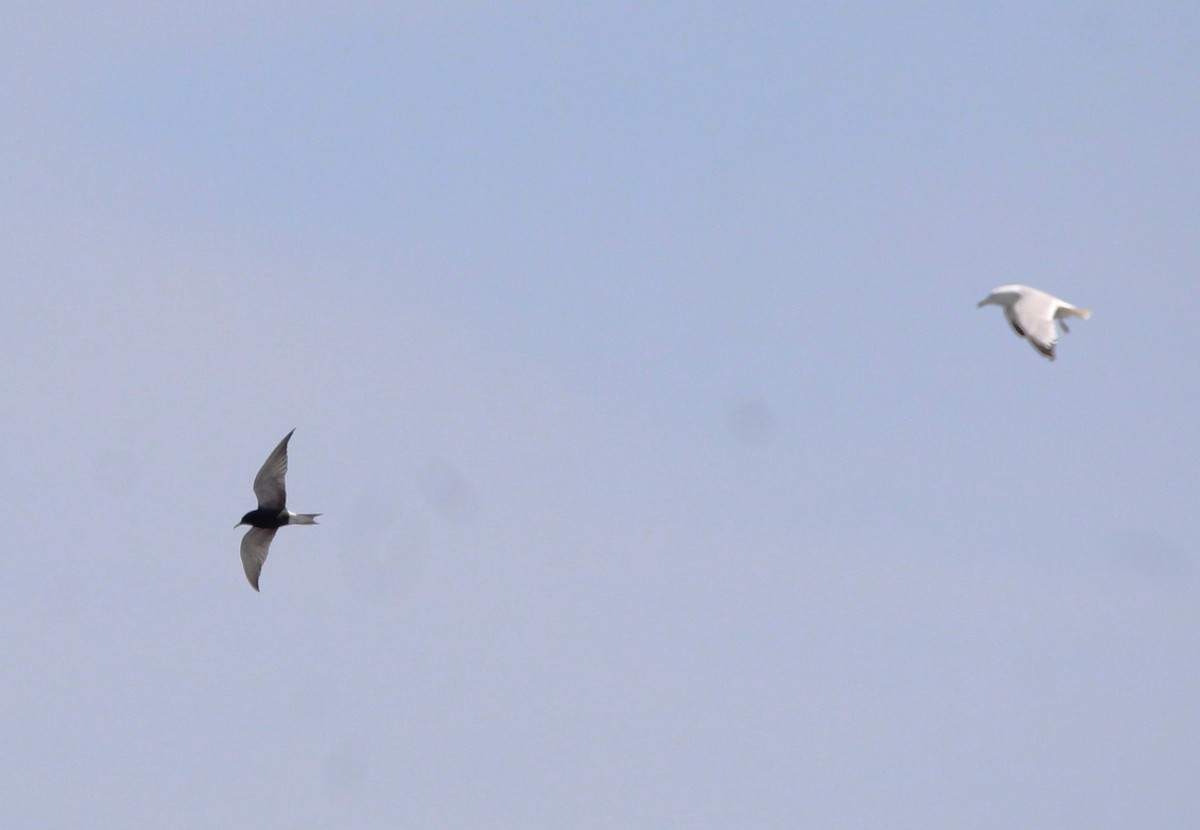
[239, 524]
[982, 302]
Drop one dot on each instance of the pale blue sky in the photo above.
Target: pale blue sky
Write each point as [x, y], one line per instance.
[671, 477]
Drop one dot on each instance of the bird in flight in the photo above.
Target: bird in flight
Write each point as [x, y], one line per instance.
[1032, 314]
[272, 512]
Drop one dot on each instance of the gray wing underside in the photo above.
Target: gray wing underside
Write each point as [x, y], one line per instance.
[255, 545]
[268, 484]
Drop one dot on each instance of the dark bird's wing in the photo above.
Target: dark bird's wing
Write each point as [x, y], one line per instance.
[268, 484]
[255, 545]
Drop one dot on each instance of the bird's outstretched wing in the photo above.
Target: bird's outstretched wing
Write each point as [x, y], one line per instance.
[268, 484]
[1034, 313]
[1012, 321]
[255, 545]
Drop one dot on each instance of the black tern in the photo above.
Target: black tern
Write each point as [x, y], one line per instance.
[272, 512]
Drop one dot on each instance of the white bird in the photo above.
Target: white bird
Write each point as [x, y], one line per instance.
[1032, 313]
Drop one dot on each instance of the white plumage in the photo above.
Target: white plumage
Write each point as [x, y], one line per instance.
[1032, 314]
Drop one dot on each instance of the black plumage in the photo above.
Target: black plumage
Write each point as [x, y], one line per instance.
[271, 513]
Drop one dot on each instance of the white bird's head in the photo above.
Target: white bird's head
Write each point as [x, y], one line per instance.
[1005, 295]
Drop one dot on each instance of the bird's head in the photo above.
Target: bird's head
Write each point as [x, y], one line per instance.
[245, 519]
[1005, 295]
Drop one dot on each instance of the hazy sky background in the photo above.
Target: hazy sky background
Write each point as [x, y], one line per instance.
[671, 477]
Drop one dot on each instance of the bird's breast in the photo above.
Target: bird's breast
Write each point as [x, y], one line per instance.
[267, 519]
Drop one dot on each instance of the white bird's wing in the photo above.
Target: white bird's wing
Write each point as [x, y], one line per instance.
[1034, 313]
[255, 545]
[268, 484]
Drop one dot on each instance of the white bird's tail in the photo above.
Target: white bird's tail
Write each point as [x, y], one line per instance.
[303, 518]
[1068, 310]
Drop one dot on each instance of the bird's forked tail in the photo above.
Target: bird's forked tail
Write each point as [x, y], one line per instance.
[303, 518]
